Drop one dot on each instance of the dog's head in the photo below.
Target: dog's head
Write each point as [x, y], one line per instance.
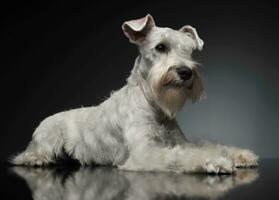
[166, 63]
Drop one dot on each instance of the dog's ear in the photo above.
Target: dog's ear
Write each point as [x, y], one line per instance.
[191, 31]
[136, 30]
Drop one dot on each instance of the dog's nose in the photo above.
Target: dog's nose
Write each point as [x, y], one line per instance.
[184, 72]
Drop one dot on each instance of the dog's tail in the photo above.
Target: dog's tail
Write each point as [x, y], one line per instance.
[19, 159]
[27, 157]
[30, 157]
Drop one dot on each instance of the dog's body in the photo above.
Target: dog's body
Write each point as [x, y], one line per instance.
[135, 128]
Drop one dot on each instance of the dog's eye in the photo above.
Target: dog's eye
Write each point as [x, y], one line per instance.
[161, 48]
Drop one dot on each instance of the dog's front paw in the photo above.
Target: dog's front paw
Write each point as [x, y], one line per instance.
[220, 165]
[245, 158]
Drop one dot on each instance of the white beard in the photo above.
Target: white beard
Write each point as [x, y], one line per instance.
[171, 100]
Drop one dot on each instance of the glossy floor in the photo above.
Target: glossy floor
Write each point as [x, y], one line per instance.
[103, 183]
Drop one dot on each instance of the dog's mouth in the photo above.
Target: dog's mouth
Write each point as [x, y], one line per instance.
[174, 84]
[179, 84]
[172, 80]
[190, 87]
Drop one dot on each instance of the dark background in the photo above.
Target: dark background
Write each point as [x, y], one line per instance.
[62, 55]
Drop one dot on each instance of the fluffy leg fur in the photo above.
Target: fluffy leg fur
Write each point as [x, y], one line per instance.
[179, 159]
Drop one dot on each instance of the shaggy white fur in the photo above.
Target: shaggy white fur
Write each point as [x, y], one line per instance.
[135, 129]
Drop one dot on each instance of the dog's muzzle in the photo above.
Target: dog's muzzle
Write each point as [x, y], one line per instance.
[184, 72]
[178, 76]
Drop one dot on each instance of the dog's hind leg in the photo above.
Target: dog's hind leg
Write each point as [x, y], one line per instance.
[46, 144]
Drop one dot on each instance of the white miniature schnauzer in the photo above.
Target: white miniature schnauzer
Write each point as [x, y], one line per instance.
[135, 129]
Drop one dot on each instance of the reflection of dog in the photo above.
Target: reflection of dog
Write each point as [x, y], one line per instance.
[108, 183]
[135, 128]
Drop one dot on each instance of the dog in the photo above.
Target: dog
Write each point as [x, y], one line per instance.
[135, 128]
